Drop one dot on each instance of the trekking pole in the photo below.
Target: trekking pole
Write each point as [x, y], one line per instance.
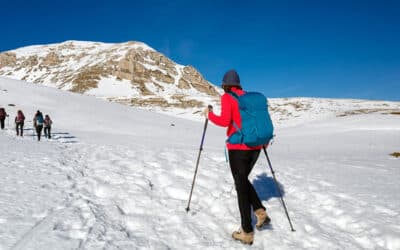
[198, 160]
[279, 190]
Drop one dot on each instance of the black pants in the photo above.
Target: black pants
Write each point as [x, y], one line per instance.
[242, 162]
[47, 132]
[2, 122]
[19, 126]
[39, 129]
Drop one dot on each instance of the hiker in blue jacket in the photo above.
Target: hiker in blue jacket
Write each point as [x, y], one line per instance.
[38, 121]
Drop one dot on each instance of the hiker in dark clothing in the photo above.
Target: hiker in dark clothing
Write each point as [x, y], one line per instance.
[3, 116]
[242, 159]
[38, 123]
[47, 126]
[19, 123]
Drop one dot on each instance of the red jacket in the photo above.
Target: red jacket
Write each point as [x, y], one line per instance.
[229, 113]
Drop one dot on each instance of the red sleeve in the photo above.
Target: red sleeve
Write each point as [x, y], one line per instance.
[224, 120]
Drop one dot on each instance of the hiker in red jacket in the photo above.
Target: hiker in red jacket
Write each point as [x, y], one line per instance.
[3, 116]
[47, 126]
[19, 123]
[242, 159]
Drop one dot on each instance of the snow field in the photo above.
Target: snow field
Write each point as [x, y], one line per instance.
[103, 183]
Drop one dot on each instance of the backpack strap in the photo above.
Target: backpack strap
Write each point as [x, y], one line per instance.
[236, 96]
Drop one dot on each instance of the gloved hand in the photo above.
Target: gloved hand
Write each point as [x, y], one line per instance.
[207, 110]
[205, 113]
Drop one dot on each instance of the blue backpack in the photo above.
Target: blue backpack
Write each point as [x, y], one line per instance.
[39, 119]
[257, 128]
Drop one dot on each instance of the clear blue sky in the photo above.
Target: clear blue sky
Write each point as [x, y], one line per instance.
[341, 49]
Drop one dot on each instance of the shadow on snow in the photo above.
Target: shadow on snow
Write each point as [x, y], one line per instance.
[265, 187]
[63, 137]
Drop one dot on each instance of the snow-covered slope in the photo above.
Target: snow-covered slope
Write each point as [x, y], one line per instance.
[116, 177]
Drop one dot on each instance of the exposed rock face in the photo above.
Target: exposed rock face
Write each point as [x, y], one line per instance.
[80, 67]
[88, 78]
[30, 62]
[183, 84]
[132, 67]
[191, 75]
[8, 59]
[51, 59]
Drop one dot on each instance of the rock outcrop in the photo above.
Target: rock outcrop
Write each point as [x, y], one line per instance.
[8, 59]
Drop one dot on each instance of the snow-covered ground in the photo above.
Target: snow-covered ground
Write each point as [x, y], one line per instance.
[116, 177]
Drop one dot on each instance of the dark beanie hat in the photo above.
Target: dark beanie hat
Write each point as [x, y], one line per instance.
[231, 78]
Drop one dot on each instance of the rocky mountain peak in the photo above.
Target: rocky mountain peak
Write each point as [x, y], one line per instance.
[131, 73]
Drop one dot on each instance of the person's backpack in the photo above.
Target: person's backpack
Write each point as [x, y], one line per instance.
[47, 122]
[20, 117]
[39, 119]
[257, 128]
[2, 112]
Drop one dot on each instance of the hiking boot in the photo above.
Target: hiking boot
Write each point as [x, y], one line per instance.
[242, 236]
[262, 218]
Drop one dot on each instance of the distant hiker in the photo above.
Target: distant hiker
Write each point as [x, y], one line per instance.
[47, 126]
[19, 123]
[38, 122]
[3, 116]
[242, 158]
